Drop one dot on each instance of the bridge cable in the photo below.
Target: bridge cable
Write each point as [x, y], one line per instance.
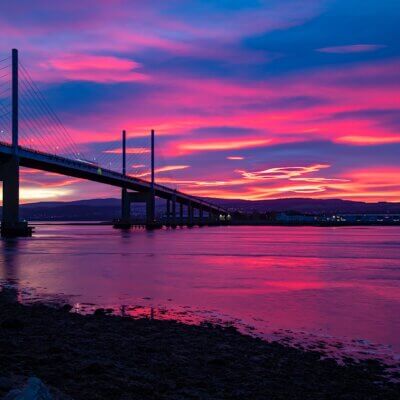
[37, 122]
[50, 114]
[38, 119]
[52, 126]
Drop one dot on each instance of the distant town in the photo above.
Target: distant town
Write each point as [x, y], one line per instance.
[296, 218]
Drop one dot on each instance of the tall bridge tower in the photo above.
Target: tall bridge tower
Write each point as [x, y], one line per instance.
[11, 225]
[147, 197]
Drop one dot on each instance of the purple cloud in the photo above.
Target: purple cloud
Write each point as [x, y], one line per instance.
[353, 48]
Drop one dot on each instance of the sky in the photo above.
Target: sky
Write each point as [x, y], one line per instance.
[255, 99]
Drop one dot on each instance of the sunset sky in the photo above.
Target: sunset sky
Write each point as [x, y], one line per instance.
[250, 99]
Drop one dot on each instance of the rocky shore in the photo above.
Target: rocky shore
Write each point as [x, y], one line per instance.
[108, 357]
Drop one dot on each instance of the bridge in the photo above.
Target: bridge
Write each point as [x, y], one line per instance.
[133, 189]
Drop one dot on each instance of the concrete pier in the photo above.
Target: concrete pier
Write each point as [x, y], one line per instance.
[168, 213]
[181, 222]
[190, 216]
[11, 225]
[136, 197]
[173, 212]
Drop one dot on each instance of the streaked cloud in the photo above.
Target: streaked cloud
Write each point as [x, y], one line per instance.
[368, 140]
[129, 150]
[91, 68]
[219, 145]
[282, 172]
[235, 158]
[166, 168]
[353, 48]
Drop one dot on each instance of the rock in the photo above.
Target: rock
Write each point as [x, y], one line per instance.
[33, 390]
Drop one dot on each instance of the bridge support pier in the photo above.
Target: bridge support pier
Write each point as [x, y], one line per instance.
[151, 222]
[125, 208]
[173, 219]
[125, 221]
[136, 197]
[201, 222]
[11, 225]
[212, 219]
[168, 213]
[190, 215]
[181, 222]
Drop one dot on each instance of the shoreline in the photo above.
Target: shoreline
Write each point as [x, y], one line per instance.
[231, 224]
[111, 357]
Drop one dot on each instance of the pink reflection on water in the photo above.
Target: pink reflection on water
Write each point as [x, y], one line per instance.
[342, 284]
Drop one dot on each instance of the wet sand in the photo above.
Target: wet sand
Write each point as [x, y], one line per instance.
[109, 357]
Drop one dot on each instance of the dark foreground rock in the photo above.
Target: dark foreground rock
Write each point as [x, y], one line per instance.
[106, 357]
[32, 389]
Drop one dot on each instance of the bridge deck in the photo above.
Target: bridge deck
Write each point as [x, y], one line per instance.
[78, 169]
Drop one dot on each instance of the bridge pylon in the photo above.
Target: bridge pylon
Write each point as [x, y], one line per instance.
[11, 225]
[125, 221]
[127, 198]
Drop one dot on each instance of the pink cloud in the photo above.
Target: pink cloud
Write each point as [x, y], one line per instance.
[368, 184]
[355, 48]
[367, 140]
[282, 172]
[166, 168]
[82, 67]
[217, 145]
[315, 122]
[129, 150]
[225, 101]
[183, 105]
[46, 179]
[190, 184]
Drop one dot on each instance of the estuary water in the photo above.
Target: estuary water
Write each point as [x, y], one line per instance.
[335, 283]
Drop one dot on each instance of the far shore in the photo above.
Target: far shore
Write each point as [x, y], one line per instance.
[232, 223]
[100, 356]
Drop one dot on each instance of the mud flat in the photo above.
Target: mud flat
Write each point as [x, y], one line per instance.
[109, 357]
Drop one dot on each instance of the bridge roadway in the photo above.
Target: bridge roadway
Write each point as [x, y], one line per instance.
[78, 169]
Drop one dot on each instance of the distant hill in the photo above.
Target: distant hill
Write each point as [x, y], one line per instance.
[311, 206]
[81, 210]
[111, 202]
[108, 209]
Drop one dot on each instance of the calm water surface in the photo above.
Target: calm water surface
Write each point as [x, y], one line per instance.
[339, 282]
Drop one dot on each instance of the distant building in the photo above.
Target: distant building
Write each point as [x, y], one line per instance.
[295, 218]
[371, 218]
[362, 218]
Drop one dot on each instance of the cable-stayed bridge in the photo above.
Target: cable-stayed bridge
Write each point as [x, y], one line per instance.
[40, 141]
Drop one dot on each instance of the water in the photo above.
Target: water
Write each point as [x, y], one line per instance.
[337, 283]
